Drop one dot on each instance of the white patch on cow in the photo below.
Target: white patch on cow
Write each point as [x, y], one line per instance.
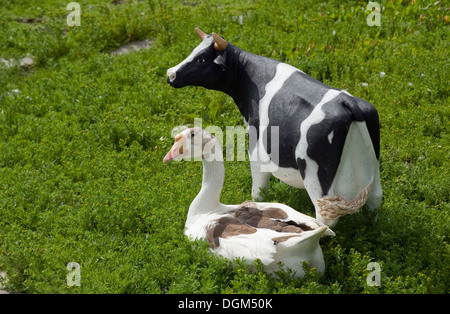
[260, 179]
[282, 74]
[330, 136]
[345, 92]
[289, 176]
[172, 72]
[311, 180]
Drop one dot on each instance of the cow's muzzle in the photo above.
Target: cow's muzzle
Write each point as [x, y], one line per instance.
[171, 75]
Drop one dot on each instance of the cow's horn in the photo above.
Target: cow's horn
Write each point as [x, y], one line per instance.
[200, 33]
[220, 43]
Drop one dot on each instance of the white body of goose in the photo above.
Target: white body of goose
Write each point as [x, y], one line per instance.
[271, 232]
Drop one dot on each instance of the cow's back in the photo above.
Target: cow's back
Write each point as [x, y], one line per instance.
[288, 108]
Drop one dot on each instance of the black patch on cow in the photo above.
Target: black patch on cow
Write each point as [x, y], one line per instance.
[370, 115]
[253, 133]
[301, 166]
[361, 110]
[245, 79]
[289, 107]
[337, 119]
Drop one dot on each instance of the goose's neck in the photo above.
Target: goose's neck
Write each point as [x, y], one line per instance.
[208, 199]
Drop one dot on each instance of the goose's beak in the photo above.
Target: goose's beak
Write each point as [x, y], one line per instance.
[177, 149]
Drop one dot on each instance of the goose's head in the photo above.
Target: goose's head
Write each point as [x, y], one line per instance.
[194, 143]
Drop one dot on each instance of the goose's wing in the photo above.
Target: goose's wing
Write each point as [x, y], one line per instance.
[282, 212]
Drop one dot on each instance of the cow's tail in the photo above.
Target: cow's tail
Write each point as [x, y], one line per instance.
[362, 111]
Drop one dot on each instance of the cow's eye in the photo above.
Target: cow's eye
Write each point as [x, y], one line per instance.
[201, 60]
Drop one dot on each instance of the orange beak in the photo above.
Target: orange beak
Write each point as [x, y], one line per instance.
[176, 150]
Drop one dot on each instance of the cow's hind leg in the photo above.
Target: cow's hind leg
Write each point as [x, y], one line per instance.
[260, 180]
[373, 204]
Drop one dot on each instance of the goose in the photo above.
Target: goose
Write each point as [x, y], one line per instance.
[270, 232]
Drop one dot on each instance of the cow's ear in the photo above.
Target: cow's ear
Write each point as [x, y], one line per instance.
[220, 59]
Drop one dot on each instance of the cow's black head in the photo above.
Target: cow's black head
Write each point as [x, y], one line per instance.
[205, 66]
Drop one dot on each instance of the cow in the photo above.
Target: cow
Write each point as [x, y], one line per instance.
[328, 140]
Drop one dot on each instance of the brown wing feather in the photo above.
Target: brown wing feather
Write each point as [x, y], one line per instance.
[226, 227]
[244, 220]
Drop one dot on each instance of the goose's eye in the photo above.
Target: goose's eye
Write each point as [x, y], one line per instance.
[201, 60]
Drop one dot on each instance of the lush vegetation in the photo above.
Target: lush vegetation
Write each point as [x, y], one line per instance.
[83, 134]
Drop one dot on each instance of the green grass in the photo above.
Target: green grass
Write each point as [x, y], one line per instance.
[83, 134]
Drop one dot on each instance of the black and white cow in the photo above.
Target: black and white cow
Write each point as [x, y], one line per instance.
[329, 140]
